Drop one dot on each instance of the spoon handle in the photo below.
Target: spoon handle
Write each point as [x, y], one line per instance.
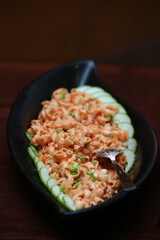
[127, 184]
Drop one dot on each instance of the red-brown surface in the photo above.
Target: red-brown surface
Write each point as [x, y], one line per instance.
[23, 215]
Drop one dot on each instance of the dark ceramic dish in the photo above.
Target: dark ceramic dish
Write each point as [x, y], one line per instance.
[27, 106]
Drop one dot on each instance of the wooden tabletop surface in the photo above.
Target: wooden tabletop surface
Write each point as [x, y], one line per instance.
[23, 215]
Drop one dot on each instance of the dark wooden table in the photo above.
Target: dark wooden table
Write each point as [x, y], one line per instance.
[23, 215]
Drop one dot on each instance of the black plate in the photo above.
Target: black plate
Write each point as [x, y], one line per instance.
[27, 106]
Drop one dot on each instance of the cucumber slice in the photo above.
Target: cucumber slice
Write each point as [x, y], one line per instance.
[128, 127]
[39, 165]
[83, 88]
[28, 136]
[68, 202]
[32, 155]
[130, 158]
[121, 108]
[131, 144]
[34, 150]
[36, 159]
[51, 182]
[100, 94]
[121, 117]
[55, 190]
[44, 175]
[93, 90]
[105, 100]
[60, 198]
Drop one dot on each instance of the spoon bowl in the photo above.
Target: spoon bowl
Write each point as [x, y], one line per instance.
[112, 153]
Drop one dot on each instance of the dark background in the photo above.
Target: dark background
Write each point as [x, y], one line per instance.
[123, 32]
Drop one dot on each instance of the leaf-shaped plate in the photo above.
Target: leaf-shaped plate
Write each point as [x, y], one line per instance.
[27, 106]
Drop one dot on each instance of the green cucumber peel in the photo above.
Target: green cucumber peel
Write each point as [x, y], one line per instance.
[130, 159]
[121, 117]
[51, 182]
[68, 202]
[34, 150]
[44, 175]
[39, 165]
[28, 136]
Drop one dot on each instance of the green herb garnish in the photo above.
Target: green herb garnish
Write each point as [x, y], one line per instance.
[71, 149]
[89, 106]
[78, 180]
[63, 95]
[50, 159]
[73, 114]
[92, 176]
[62, 189]
[59, 130]
[73, 169]
[109, 118]
[82, 158]
[76, 185]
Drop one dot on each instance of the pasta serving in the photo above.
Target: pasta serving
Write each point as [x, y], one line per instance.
[71, 128]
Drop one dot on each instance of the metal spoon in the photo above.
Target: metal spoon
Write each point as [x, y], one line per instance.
[111, 153]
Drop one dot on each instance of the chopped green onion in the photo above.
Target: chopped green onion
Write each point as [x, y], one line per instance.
[73, 114]
[71, 149]
[110, 135]
[89, 106]
[79, 179]
[82, 158]
[76, 185]
[92, 176]
[78, 164]
[89, 172]
[73, 140]
[109, 118]
[62, 189]
[59, 130]
[50, 159]
[28, 136]
[72, 168]
[63, 95]
[94, 163]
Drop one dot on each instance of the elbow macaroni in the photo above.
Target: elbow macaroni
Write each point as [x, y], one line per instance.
[71, 128]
